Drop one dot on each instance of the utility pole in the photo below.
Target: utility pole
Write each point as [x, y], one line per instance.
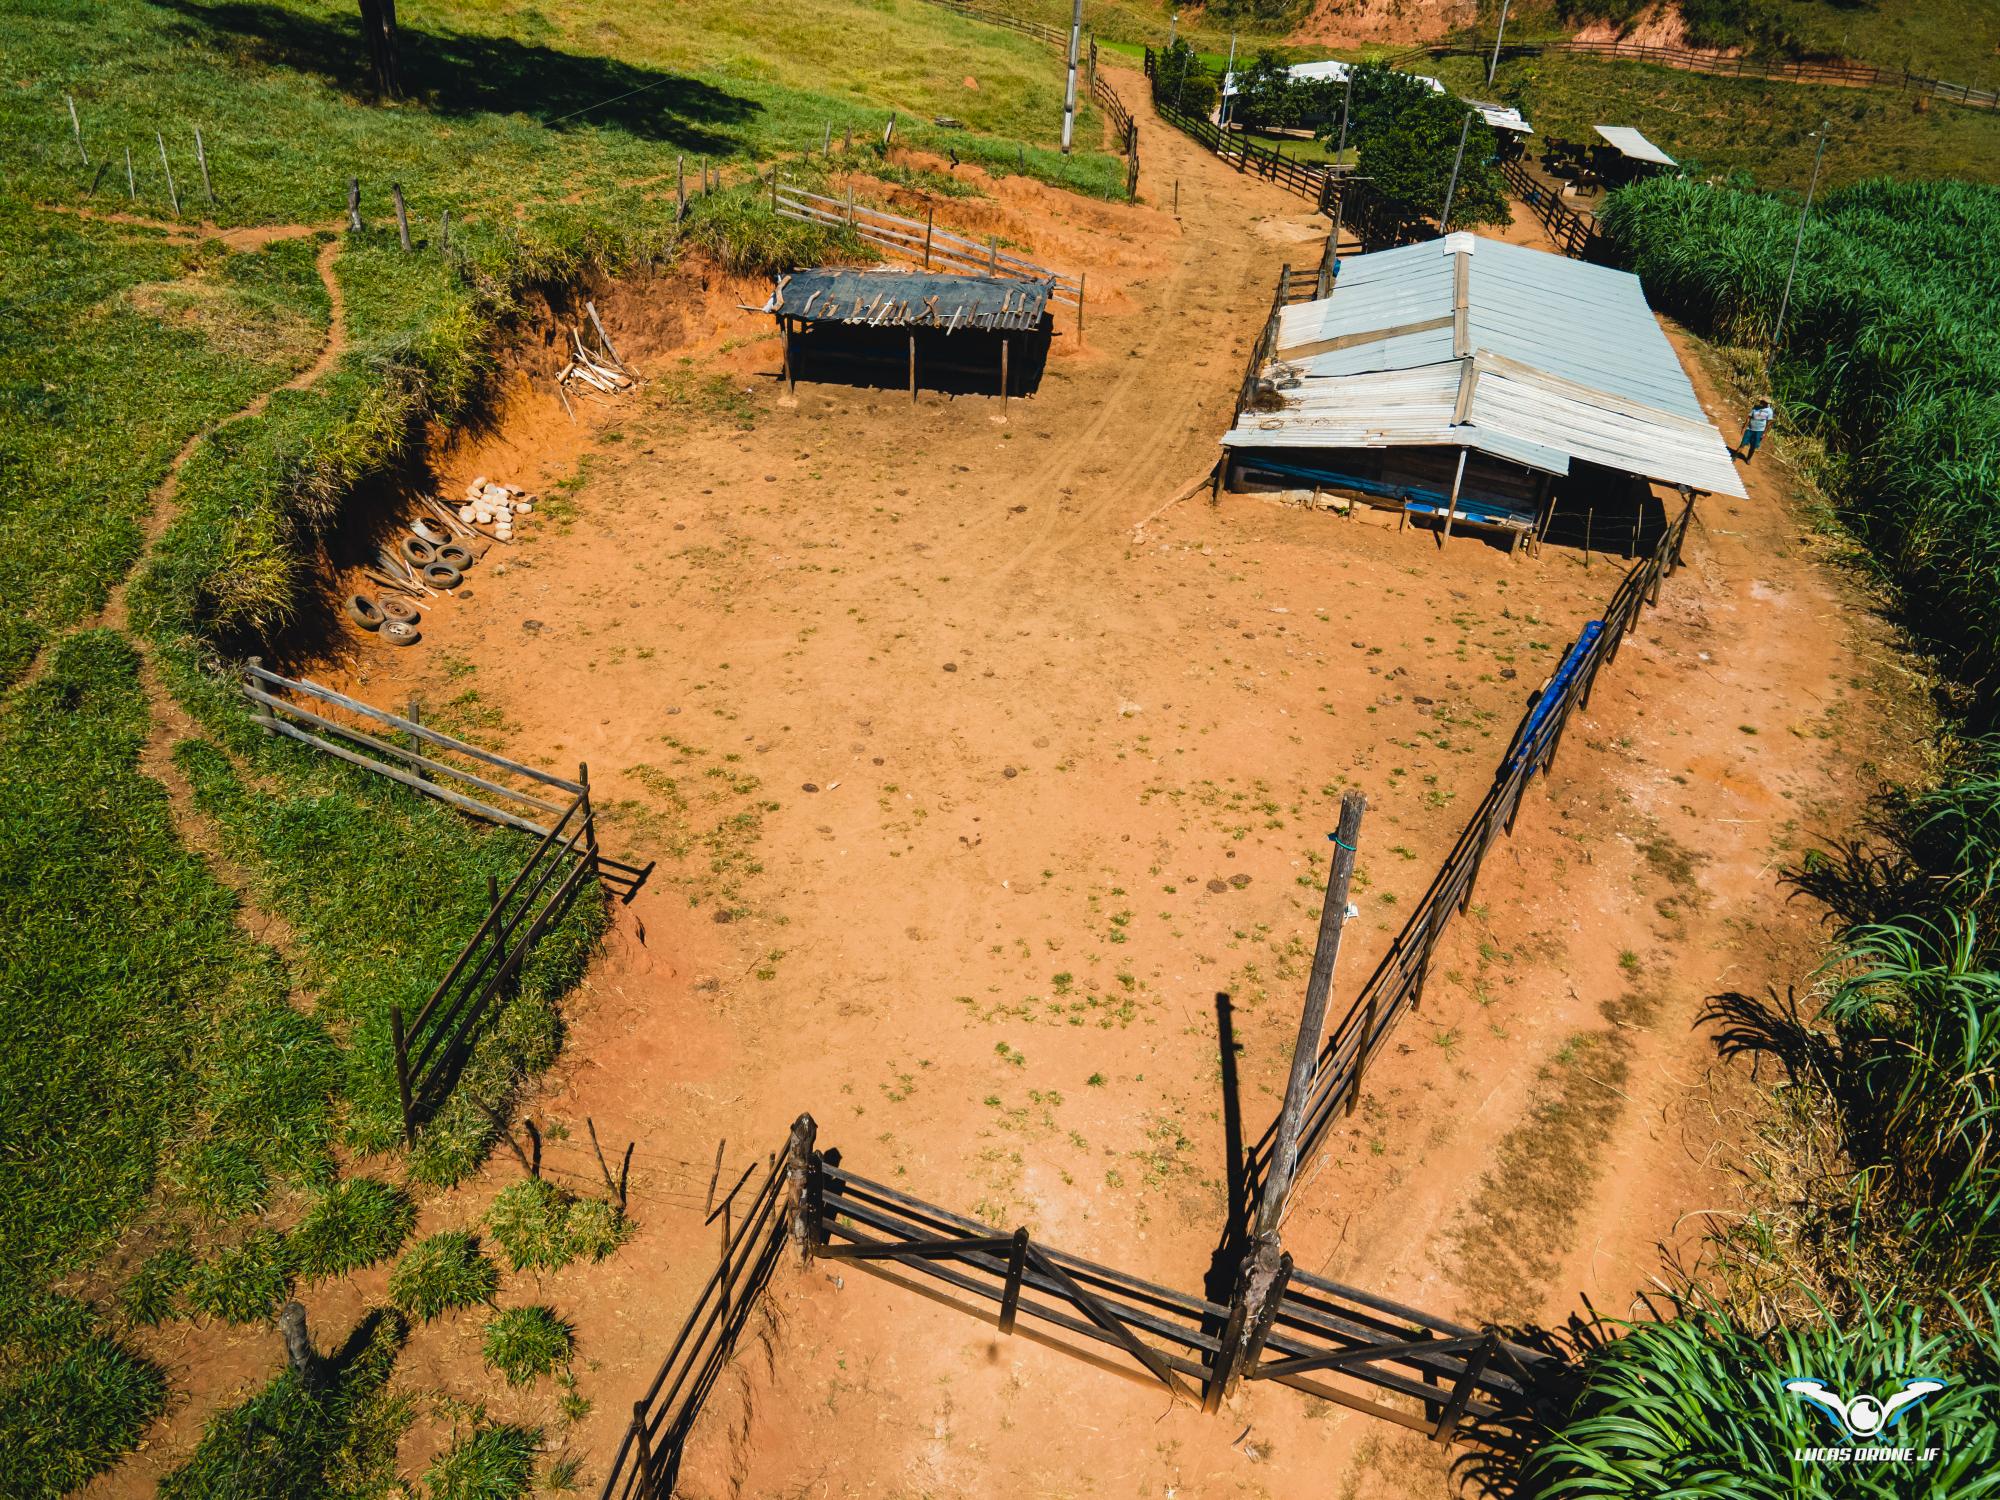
[1228, 68]
[1451, 192]
[1494, 61]
[1173, 20]
[1069, 92]
[1340, 156]
[1785, 302]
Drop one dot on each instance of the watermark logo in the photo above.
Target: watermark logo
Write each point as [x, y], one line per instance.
[1862, 1420]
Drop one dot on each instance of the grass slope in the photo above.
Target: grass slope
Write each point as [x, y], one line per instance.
[1717, 126]
[84, 436]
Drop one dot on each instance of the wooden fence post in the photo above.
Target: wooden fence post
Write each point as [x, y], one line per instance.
[1017, 1263]
[642, 1442]
[1461, 1393]
[201, 159]
[802, 1185]
[680, 187]
[583, 769]
[401, 1042]
[76, 127]
[131, 178]
[1312, 1020]
[354, 205]
[402, 216]
[173, 193]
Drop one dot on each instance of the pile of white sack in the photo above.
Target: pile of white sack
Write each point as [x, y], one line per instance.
[495, 505]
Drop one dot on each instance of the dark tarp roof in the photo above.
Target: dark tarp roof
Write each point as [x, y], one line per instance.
[911, 299]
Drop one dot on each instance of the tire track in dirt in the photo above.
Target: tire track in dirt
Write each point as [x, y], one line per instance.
[1219, 253]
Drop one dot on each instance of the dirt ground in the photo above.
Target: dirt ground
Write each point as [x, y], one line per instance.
[977, 770]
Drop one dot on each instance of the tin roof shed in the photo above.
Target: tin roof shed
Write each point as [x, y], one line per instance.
[1475, 343]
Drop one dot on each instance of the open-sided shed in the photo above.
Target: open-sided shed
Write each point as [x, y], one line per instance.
[952, 332]
[1481, 383]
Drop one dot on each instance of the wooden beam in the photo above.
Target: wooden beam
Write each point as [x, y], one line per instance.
[1355, 340]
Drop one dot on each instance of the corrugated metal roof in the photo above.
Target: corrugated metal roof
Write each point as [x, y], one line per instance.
[1473, 342]
[1502, 117]
[899, 299]
[1630, 143]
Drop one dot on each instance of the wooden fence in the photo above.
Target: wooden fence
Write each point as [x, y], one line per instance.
[922, 243]
[648, 1459]
[432, 1046]
[1574, 233]
[1331, 1341]
[1239, 150]
[1827, 72]
[1397, 985]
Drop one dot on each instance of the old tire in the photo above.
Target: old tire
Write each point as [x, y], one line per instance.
[398, 611]
[396, 633]
[456, 556]
[440, 575]
[416, 551]
[364, 612]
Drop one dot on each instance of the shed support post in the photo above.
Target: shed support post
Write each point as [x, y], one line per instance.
[1004, 342]
[913, 369]
[1451, 506]
[790, 377]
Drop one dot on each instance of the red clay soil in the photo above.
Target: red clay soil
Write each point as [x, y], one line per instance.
[976, 773]
[1407, 23]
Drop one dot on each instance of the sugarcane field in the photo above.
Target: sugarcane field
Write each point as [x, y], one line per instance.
[999, 749]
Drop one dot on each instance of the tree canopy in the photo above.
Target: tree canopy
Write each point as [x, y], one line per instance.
[1408, 137]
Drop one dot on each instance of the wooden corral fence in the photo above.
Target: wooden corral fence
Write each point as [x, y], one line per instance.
[1826, 72]
[1286, 295]
[922, 243]
[648, 1459]
[1397, 985]
[1574, 233]
[1239, 150]
[432, 1046]
[1331, 1341]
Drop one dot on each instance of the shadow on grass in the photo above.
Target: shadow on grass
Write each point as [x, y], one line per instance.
[463, 73]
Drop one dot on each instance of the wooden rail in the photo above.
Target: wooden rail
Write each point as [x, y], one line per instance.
[648, 1459]
[1574, 233]
[1246, 155]
[432, 1046]
[1331, 1341]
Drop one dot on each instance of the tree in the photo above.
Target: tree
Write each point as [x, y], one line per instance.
[1263, 94]
[1411, 163]
[1408, 138]
[1181, 82]
[378, 29]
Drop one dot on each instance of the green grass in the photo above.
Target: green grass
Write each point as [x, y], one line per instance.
[442, 1273]
[1697, 1406]
[354, 1223]
[543, 1227]
[1953, 39]
[153, 1293]
[73, 1396]
[288, 1443]
[1722, 125]
[525, 1342]
[487, 1462]
[84, 434]
[244, 1283]
[121, 973]
[515, 109]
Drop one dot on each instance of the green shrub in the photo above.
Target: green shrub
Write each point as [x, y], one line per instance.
[353, 1224]
[542, 1227]
[73, 1398]
[1697, 1406]
[243, 1284]
[486, 1463]
[442, 1272]
[286, 1443]
[523, 1342]
[150, 1295]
